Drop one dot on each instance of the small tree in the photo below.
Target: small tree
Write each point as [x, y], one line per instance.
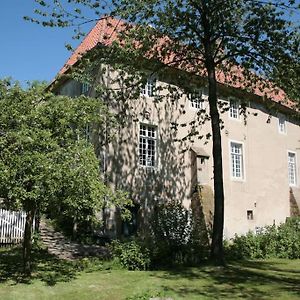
[45, 160]
[236, 42]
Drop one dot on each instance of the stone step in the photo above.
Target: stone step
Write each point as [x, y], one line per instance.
[63, 248]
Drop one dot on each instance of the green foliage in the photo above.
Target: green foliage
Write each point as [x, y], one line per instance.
[46, 162]
[65, 280]
[41, 145]
[288, 239]
[176, 238]
[37, 244]
[130, 255]
[271, 242]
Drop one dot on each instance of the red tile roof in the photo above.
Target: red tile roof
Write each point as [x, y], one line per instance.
[106, 31]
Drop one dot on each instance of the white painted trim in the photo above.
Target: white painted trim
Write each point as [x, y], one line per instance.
[231, 99]
[202, 102]
[243, 179]
[281, 116]
[153, 79]
[296, 168]
[156, 156]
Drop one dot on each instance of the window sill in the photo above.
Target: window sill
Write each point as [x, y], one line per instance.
[235, 179]
[235, 119]
[293, 185]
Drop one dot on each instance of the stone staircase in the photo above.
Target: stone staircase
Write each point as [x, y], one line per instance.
[58, 245]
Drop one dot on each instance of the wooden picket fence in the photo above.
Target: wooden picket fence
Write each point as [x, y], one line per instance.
[12, 225]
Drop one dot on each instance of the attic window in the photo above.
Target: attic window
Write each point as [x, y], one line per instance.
[234, 110]
[148, 89]
[281, 124]
[196, 100]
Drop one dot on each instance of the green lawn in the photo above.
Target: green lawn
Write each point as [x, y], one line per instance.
[54, 279]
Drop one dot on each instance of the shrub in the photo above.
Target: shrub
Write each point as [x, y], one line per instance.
[131, 255]
[271, 242]
[175, 237]
[288, 239]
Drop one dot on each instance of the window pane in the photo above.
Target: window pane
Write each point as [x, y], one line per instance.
[196, 100]
[236, 160]
[149, 88]
[281, 124]
[147, 146]
[234, 110]
[292, 168]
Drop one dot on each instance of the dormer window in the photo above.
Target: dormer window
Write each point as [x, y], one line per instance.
[196, 99]
[148, 89]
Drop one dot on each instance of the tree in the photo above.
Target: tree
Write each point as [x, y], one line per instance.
[45, 159]
[243, 44]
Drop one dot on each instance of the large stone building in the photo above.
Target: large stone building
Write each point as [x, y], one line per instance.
[162, 151]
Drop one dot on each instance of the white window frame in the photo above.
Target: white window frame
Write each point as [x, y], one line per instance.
[281, 124]
[144, 142]
[234, 109]
[149, 89]
[295, 175]
[196, 100]
[233, 172]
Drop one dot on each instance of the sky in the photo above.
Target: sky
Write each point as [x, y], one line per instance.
[29, 51]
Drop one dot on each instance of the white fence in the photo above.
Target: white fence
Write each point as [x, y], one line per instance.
[12, 225]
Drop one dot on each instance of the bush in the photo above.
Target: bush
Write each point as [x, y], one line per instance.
[175, 237]
[288, 239]
[271, 242]
[130, 254]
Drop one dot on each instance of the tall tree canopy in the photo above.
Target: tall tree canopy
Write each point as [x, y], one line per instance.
[45, 160]
[247, 44]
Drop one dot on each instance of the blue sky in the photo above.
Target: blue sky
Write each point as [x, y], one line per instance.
[29, 51]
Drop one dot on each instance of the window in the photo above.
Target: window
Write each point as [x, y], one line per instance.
[281, 124]
[85, 88]
[250, 215]
[147, 146]
[196, 100]
[149, 88]
[236, 153]
[234, 110]
[292, 168]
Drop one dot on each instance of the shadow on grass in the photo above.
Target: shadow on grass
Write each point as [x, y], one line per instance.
[45, 267]
[242, 279]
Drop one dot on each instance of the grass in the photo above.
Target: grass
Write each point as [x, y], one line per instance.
[56, 279]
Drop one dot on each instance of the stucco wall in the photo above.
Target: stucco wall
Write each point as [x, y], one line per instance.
[264, 190]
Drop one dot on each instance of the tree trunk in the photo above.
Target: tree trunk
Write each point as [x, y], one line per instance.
[27, 243]
[216, 253]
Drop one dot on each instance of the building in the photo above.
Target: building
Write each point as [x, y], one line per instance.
[163, 150]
